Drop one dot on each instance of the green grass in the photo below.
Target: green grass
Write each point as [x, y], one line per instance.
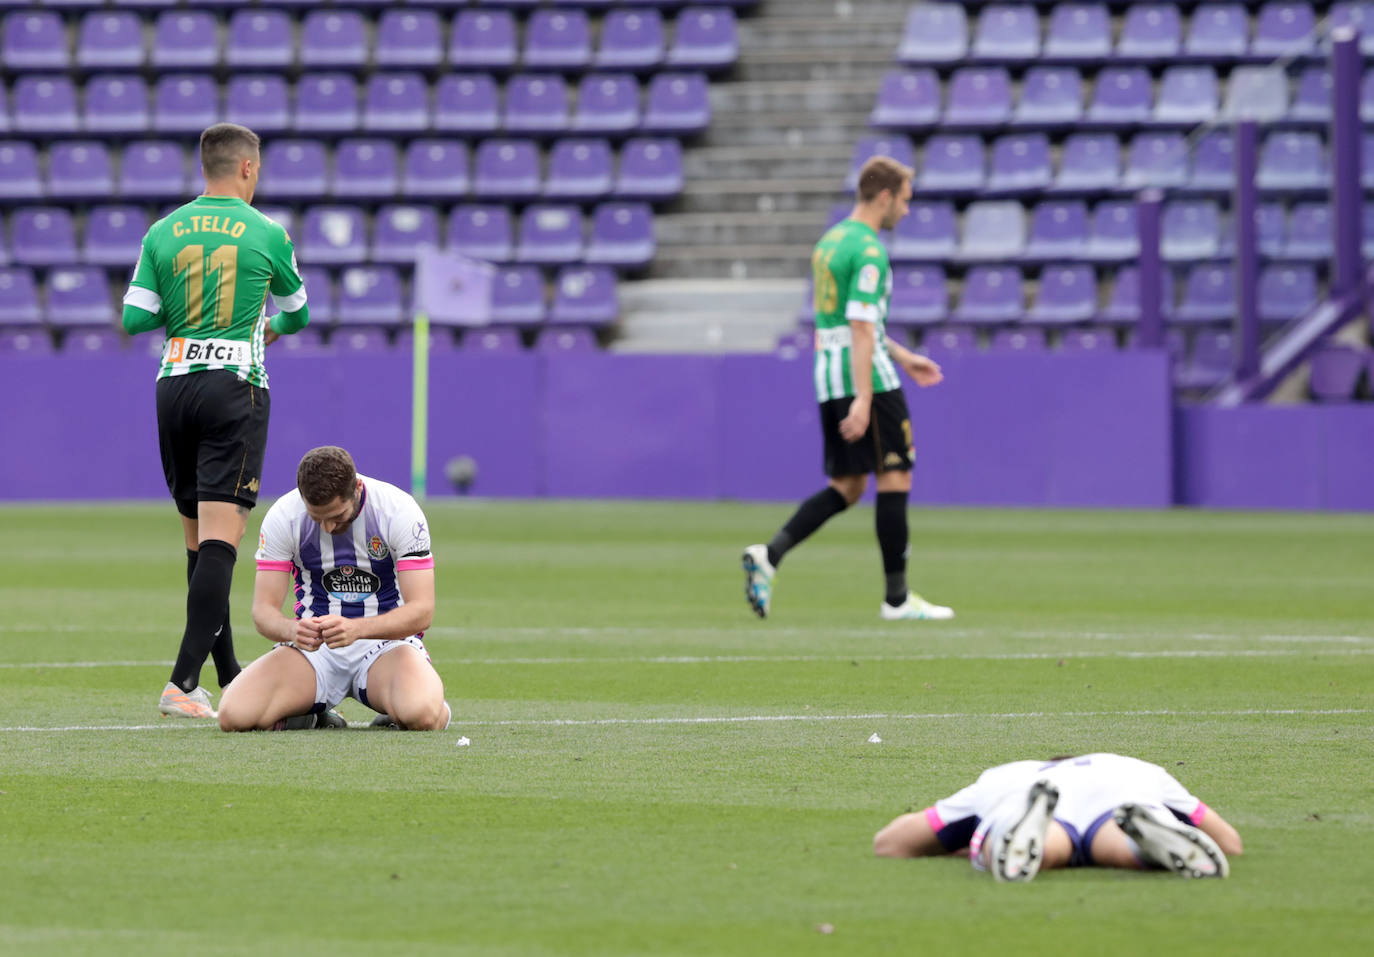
[1182, 638]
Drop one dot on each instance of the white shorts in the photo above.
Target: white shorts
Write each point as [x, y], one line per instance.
[342, 672]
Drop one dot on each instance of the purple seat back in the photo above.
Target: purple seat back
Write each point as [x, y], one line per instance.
[537, 103]
[293, 169]
[622, 235]
[907, 99]
[1058, 230]
[467, 103]
[333, 38]
[1190, 230]
[994, 230]
[630, 40]
[483, 38]
[1115, 234]
[585, 295]
[953, 162]
[580, 169]
[185, 103]
[19, 301]
[704, 38]
[482, 232]
[928, 232]
[334, 235]
[116, 104]
[34, 40]
[677, 103]
[558, 39]
[607, 103]
[920, 296]
[507, 169]
[79, 170]
[42, 236]
[1089, 161]
[1157, 159]
[1292, 160]
[1017, 340]
[260, 38]
[1123, 302]
[1079, 31]
[1214, 162]
[259, 101]
[492, 340]
[1088, 340]
[978, 96]
[1286, 291]
[370, 295]
[366, 168]
[79, 295]
[45, 104]
[179, 40]
[517, 296]
[1007, 32]
[991, 295]
[409, 38]
[1283, 30]
[1050, 95]
[1218, 31]
[19, 170]
[1208, 294]
[949, 340]
[1066, 294]
[1309, 232]
[397, 103]
[1187, 94]
[436, 168]
[1121, 95]
[571, 339]
[934, 33]
[153, 169]
[319, 287]
[110, 40]
[1336, 372]
[326, 103]
[1150, 31]
[650, 168]
[114, 235]
[550, 233]
[1020, 162]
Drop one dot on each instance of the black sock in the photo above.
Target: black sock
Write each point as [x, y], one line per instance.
[811, 515]
[890, 519]
[226, 662]
[207, 601]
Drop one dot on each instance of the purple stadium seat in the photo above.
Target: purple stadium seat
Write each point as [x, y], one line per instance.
[1017, 340]
[557, 40]
[333, 38]
[1187, 94]
[1309, 232]
[440, 340]
[920, 296]
[550, 234]
[1312, 101]
[949, 340]
[1157, 159]
[24, 342]
[284, 216]
[1210, 363]
[1007, 32]
[96, 342]
[482, 232]
[409, 38]
[585, 295]
[323, 301]
[370, 296]
[397, 103]
[571, 339]
[79, 170]
[110, 40]
[308, 342]
[1271, 223]
[579, 169]
[1284, 30]
[492, 340]
[1257, 93]
[483, 39]
[1358, 15]
[978, 96]
[704, 38]
[507, 169]
[1020, 162]
[1089, 161]
[185, 103]
[1209, 294]
[1335, 372]
[1292, 161]
[1218, 31]
[79, 295]
[1214, 161]
[630, 40]
[622, 235]
[993, 230]
[42, 236]
[1115, 234]
[366, 339]
[928, 232]
[1150, 31]
[154, 169]
[179, 40]
[607, 103]
[114, 235]
[260, 38]
[467, 103]
[44, 104]
[992, 295]
[19, 171]
[1088, 340]
[258, 101]
[907, 99]
[334, 235]
[1050, 95]
[677, 103]
[517, 296]
[894, 145]
[18, 301]
[1286, 291]
[1121, 95]
[1066, 294]
[293, 169]
[436, 169]
[536, 103]
[116, 104]
[1058, 230]
[326, 103]
[934, 33]
[34, 40]
[651, 169]
[952, 162]
[366, 168]
[1123, 302]
[1190, 230]
[1079, 31]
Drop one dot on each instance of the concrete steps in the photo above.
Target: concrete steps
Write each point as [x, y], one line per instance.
[797, 229]
[733, 260]
[708, 165]
[761, 195]
[706, 315]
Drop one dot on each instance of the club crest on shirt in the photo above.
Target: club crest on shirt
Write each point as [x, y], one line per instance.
[376, 548]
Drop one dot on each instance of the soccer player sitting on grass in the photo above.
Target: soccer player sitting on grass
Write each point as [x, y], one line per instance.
[358, 550]
[1096, 810]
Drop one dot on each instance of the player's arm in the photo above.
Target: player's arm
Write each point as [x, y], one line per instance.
[269, 591]
[923, 369]
[1219, 829]
[143, 300]
[863, 309]
[287, 288]
[910, 835]
[417, 614]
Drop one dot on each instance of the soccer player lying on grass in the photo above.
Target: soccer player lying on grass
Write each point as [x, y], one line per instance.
[1097, 810]
[359, 552]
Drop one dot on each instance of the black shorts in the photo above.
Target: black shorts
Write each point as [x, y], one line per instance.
[885, 447]
[212, 431]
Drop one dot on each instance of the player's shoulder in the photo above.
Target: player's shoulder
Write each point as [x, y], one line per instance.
[288, 507]
[389, 498]
[273, 228]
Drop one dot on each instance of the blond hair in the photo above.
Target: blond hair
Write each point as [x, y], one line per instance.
[882, 173]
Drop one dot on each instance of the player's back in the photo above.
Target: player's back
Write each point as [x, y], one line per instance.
[842, 250]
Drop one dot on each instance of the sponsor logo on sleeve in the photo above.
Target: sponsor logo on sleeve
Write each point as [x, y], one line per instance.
[419, 541]
[868, 278]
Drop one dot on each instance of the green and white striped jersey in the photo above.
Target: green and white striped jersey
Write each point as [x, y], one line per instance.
[208, 268]
[853, 282]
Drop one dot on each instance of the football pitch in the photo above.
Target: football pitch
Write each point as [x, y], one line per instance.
[651, 770]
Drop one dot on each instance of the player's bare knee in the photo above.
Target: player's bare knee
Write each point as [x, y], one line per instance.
[422, 716]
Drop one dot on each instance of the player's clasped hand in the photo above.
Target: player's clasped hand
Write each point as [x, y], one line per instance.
[307, 636]
[337, 631]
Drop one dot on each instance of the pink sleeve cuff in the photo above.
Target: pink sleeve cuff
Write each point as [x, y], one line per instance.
[414, 564]
[1198, 815]
[933, 819]
[266, 566]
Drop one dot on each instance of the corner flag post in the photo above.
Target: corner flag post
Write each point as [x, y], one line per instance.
[419, 407]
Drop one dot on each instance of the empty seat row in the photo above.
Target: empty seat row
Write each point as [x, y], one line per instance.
[616, 234]
[1093, 162]
[940, 32]
[1118, 96]
[362, 295]
[555, 39]
[388, 103]
[580, 169]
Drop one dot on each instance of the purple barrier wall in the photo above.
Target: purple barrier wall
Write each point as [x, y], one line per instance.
[1046, 429]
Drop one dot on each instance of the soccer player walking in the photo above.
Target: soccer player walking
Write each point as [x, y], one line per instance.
[864, 418]
[204, 275]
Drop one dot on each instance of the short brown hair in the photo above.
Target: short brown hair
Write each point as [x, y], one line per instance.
[880, 173]
[223, 145]
[326, 475]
